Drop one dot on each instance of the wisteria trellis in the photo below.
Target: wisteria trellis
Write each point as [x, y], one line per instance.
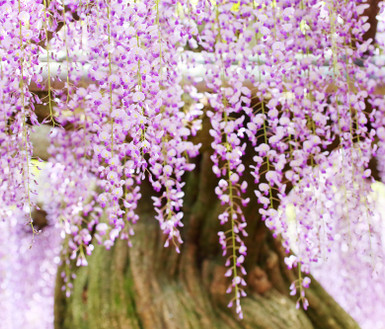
[287, 78]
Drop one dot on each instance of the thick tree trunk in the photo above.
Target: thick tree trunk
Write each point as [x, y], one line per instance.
[148, 286]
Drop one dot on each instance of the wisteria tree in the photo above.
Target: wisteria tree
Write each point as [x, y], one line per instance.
[202, 159]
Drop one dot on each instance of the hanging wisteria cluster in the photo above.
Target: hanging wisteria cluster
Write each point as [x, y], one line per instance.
[285, 81]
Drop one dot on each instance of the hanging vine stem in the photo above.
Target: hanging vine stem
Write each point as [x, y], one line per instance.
[139, 77]
[231, 204]
[46, 17]
[234, 209]
[110, 73]
[159, 34]
[67, 53]
[26, 173]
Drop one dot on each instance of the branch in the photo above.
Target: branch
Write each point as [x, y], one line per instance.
[371, 12]
[72, 9]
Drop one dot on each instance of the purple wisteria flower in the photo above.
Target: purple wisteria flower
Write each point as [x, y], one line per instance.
[288, 90]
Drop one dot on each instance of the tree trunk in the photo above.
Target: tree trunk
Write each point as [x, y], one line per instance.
[151, 287]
